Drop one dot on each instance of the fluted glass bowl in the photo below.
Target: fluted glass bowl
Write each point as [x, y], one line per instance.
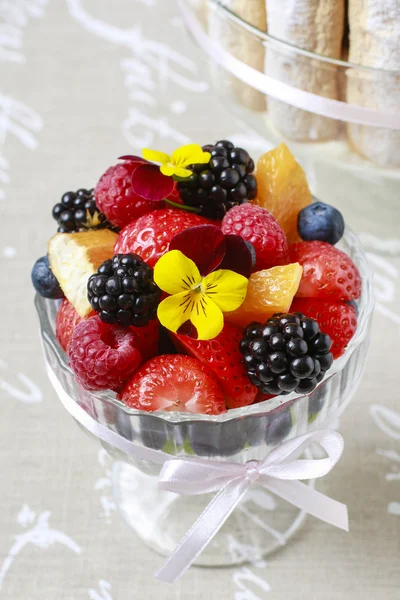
[261, 523]
[312, 103]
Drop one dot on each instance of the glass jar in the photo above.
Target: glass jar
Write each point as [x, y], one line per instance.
[341, 120]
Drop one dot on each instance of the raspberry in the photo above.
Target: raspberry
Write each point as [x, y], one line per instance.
[103, 356]
[150, 236]
[116, 199]
[260, 228]
[66, 320]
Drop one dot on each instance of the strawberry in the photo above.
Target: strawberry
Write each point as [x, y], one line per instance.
[223, 358]
[173, 382]
[66, 320]
[328, 273]
[148, 338]
[337, 319]
[259, 227]
[150, 235]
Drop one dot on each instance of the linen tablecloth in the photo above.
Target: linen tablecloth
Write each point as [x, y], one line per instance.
[81, 83]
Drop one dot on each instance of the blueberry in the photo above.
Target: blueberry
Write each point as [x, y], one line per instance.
[123, 425]
[256, 427]
[231, 437]
[152, 432]
[316, 401]
[202, 438]
[353, 303]
[320, 221]
[211, 439]
[44, 281]
[279, 426]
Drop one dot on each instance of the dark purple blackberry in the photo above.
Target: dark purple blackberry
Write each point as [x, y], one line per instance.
[123, 291]
[77, 211]
[287, 354]
[221, 184]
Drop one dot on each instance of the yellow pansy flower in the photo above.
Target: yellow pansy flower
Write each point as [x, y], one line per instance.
[182, 157]
[201, 300]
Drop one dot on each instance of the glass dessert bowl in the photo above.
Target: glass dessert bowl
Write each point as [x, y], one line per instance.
[262, 522]
[340, 119]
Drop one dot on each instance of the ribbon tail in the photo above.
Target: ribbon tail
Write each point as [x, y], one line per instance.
[203, 530]
[311, 501]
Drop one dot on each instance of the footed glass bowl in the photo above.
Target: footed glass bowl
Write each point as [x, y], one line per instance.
[340, 119]
[261, 523]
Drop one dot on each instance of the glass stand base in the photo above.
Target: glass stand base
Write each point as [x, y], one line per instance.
[261, 523]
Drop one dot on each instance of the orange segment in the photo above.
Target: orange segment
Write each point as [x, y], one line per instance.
[282, 188]
[74, 257]
[268, 292]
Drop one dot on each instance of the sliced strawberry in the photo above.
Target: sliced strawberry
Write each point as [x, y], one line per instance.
[222, 356]
[328, 272]
[174, 382]
[148, 338]
[337, 319]
[150, 235]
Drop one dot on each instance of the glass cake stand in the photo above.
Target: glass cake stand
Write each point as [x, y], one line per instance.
[262, 522]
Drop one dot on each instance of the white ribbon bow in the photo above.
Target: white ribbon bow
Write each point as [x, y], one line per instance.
[279, 473]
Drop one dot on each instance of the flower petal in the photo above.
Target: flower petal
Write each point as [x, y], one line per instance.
[226, 289]
[155, 156]
[203, 244]
[175, 273]
[150, 183]
[183, 173]
[239, 255]
[168, 170]
[171, 312]
[132, 158]
[190, 154]
[207, 317]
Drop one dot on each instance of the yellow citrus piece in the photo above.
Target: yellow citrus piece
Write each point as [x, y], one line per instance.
[268, 292]
[282, 188]
[74, 257]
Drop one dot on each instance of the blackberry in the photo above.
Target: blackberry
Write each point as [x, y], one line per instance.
[123, 291]
[77, 211]
[221, 184]
[287, 354]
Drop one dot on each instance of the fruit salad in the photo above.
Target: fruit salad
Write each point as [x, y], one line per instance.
[200, 281]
